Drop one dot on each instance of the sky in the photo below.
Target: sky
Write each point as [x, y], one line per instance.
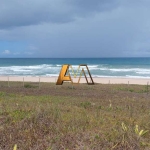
[74, 28]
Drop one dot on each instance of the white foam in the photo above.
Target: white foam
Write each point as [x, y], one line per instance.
[96, 70]
[126, 69]
[143, 72]
[129, 76]
[52, 75]
[102, 76]
[93, 66]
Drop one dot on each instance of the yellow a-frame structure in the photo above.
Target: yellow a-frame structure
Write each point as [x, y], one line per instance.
[65, 69]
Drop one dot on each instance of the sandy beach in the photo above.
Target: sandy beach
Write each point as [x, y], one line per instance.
[103, 80]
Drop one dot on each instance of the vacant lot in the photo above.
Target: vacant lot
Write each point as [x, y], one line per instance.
[79, 117]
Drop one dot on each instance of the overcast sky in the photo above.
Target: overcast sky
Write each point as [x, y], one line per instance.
[74, 28]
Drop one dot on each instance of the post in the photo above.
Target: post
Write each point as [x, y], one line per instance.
[8, 81]
[147, 87]
[128, 86]
[72, 84]
[55, 82]
[39, 82]
[23, 81]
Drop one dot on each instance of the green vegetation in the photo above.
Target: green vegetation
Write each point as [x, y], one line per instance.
[135, 88]
[30, 86]
[62, 117]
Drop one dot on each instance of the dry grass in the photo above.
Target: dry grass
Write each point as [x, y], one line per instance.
[80, 117]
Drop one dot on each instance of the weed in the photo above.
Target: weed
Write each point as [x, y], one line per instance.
[15, 147]
[30, 86]
[85, 104]
[140, 133]
[18, 115]
[2, 94]
[124, 127]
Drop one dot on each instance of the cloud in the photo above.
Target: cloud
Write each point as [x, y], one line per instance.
[16, 53]
[7, 52]
[75, 28]
[33, 48]
[28, 53]
[94, 5]
[24, 13]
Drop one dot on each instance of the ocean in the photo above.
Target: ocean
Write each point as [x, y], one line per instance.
[99, 67]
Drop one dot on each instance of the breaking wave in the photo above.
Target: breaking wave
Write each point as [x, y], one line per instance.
[97, 70]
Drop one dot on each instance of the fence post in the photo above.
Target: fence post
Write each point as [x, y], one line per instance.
[23, 81]
[147, 87]
[8, 81]
[39, 82]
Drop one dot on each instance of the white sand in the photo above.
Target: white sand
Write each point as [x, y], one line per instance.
[106, 80]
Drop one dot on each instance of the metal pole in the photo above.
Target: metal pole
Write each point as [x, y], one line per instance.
[39, 83]
[23, 81]
[8, 81]
[55, 83]
[72, 84]
[147, 87]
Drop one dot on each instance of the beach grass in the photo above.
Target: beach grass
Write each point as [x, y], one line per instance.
[74, 116]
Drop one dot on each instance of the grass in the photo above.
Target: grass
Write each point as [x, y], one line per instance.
[30, 86]
[135, 88]
[60, 117]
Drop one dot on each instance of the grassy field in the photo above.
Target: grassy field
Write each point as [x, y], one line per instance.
[79, 117]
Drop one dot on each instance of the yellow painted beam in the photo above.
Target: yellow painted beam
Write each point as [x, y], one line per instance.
[62, 75]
